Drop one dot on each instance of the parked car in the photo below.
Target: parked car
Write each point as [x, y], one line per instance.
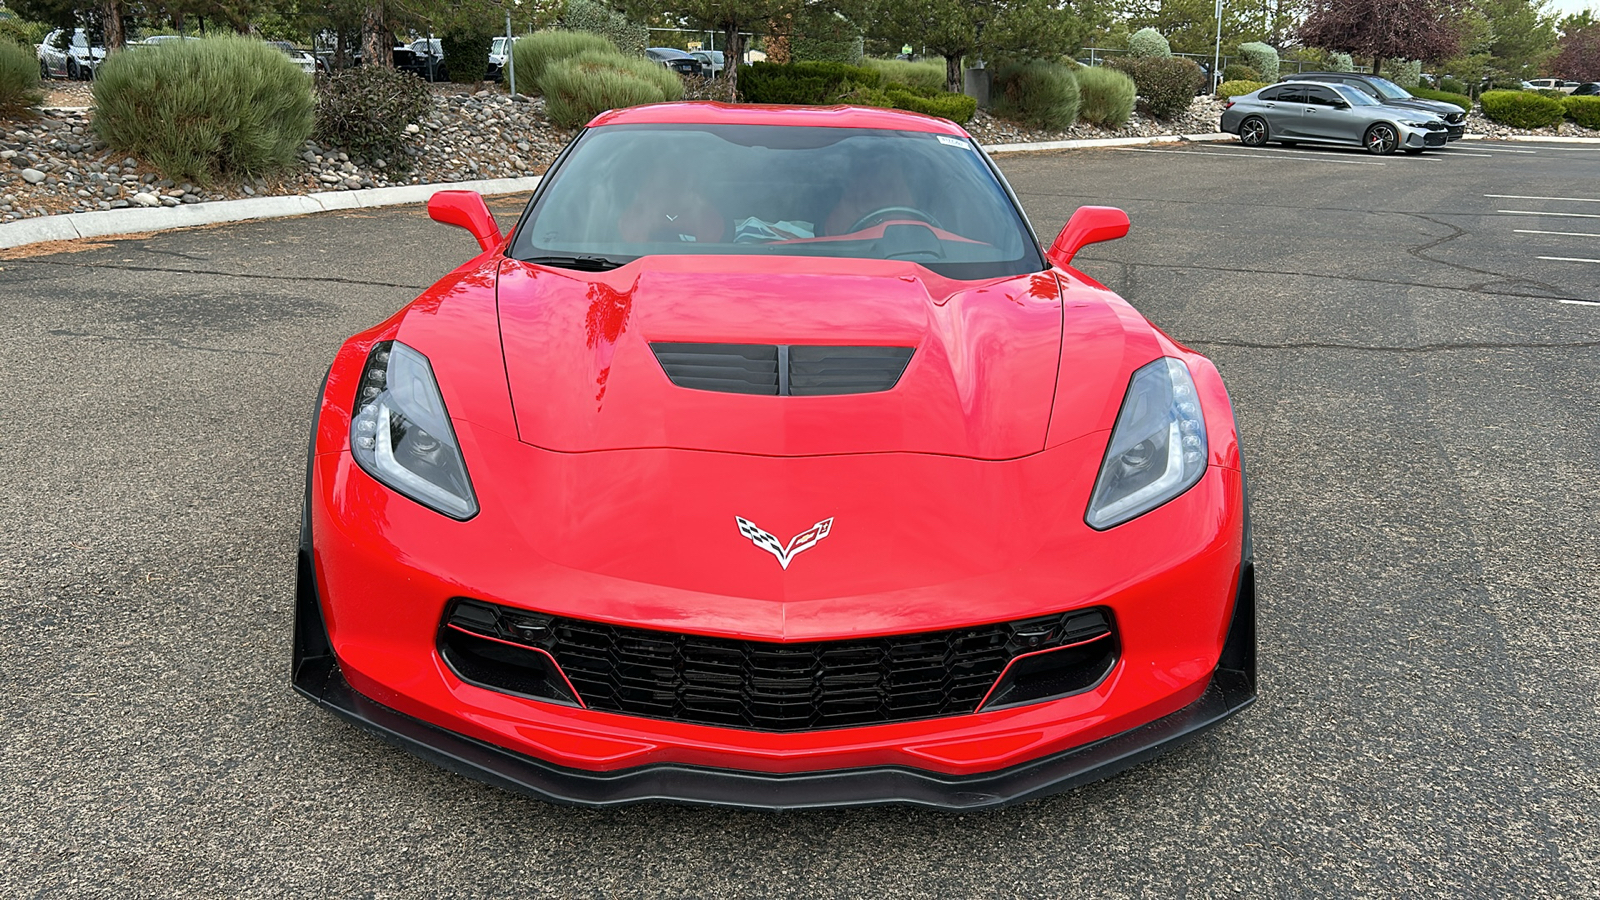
[77, 61]
[499, 48]
[156, 40]
[423, 57]
[1318, 113]
[1550, 84]
[1390, 94]
[712, 62]
[1587, 89]
[676, 60]
[882, 501]
[301, 58]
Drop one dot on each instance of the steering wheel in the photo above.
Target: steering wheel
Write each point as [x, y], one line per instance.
[885, 213]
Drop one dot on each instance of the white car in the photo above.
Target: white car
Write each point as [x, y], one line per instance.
[712, 62]
[78, 61]
[1550, 84]
[301, 58]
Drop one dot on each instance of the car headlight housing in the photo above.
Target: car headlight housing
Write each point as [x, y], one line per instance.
[1422, 124]
[1158, 446]
[401, 434]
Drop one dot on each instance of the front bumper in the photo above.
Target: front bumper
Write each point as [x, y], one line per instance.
[317, 676]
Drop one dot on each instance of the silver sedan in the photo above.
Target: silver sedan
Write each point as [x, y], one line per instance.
[1301, 111]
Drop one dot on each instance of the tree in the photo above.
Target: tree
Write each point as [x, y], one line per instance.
[991, 29]
[731, 17]
[1385, 29]
[1522, 39]
[1578, 53]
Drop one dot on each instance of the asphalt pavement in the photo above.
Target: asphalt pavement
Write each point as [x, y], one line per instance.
[1414, 366]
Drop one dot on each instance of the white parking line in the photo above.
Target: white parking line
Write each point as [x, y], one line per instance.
[1460, 153]
[1562, 199]
[1583, 302]
[1501, 149]
[1535, 212]
[1570, 259]
[1566, 233]
[1232, 153]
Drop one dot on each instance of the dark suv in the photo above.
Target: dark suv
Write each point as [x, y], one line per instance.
[1390, 94]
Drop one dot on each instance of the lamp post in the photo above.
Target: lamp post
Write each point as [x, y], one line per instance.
[1216, 58]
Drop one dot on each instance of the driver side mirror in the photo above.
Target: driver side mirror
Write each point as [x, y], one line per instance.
[466, 209]
[1340, 104]
[1089, 225]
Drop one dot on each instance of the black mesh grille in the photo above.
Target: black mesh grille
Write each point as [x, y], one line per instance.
[789, 687]
[799, 370]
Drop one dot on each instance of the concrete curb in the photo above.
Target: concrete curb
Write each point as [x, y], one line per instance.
[1089, 143]
[73, 226]
[1533, 138]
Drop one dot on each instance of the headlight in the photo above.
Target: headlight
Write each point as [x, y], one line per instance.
[1415, 124]
[1158, 446]
[401, 434]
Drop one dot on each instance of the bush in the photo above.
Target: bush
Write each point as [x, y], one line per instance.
[957, 108]
[1451, 85]
[1583, 110]
[581, 87]
[460, 49]
[1237, 72]
[1262, 58]
[1041, 94]
[365, 110]
[1341, 62]
[1522, 109]
[19, 80]
[1148, 42]
[804, 82]
[1238, 88]
[534, 53]
[629, 37]
[1552, 93]
[1168, 86]
[1106, 97]
[198, 109]
[927, 75]
[1405, 72]
[1461, 100]
[13, 31]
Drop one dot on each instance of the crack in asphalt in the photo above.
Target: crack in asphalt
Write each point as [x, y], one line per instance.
[1420, 252]
[1415, 348]
[330, 279]
[171, 342]
[1480, 288]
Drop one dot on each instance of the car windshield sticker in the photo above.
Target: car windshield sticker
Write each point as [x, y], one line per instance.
[949, 141]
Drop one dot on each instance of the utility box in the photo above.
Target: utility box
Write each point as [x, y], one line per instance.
[976, 83]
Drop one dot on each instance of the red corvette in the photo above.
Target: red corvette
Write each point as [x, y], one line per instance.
[769, 462]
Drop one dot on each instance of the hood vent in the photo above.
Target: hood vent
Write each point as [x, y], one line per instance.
[800, 370]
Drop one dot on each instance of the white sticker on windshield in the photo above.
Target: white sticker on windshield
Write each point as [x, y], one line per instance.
[949, 141]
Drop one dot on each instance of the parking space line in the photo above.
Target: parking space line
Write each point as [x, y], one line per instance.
[1583, 302]
[1571, 259]
[1566, 233]
[1344, 162]
[1460, 153]
[1535, 212]
[1502, 150]
[1561, 199]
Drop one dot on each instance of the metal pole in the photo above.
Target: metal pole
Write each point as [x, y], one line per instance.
[511, 65]
[1216, 59]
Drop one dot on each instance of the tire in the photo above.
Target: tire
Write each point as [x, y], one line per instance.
[1381, 139]
[73, 71]
[1253, 132]
[44, 70]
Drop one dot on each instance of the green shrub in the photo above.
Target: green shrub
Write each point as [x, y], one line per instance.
[365, 110]
[533, 53]
[1237, 72]
[1552, 93]
[1167, 85]
[1451, 85]
[804, 82]
[824, 36]
[1522, 109]
[1583, 110]
[1405, 72]
[1041, 94]
[14, 31]
[461, 48]
[927, 75]
[957, 108]
[581, 87]
[1148, 42]
[1106, 97]
[1341, 62]
[629, 37]
[1238, 88]
[1262, 58]
[1461, 100]
[19, 80]
[198, 109]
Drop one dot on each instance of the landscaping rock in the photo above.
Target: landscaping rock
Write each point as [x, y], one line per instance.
[32, 176]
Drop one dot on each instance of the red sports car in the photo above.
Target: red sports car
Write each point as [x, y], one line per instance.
[770, 462]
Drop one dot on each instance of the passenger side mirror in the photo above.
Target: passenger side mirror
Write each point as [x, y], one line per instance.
[1089, 225]
[466, 209]
[1340, 104]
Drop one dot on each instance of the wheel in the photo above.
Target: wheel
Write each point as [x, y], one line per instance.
[73, 71]
[1253, 131]
[44, 70]
[1381, 139]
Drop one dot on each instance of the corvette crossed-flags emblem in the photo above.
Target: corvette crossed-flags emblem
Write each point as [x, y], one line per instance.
[805, 540]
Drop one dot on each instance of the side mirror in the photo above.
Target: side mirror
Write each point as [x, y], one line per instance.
[1340, 104]
[466, 209]
[1089, 225]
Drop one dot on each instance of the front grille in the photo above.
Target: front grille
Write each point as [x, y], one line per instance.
[768, 686]
[799, 370]
[1434, 139]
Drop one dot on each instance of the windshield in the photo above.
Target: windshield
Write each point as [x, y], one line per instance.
[627, 191]
[1388, 90]
[1356, 98]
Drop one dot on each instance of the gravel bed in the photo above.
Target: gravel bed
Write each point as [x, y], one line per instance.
[1477, 124]
[54, 164]
[1200, 118]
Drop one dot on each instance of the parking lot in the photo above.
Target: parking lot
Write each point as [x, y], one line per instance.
[1413, 349]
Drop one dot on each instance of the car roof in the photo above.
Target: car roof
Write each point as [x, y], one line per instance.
[667, 50]
[705, 113]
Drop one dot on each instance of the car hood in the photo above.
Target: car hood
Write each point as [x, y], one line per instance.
[1436, 107]
[979, 384]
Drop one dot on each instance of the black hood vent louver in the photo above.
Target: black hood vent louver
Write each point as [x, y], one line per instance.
[799, 370]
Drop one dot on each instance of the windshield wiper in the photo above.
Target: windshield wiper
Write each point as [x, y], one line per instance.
[584, 263]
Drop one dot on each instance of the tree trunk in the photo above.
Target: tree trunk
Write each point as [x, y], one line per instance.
[374, 37]
[952, 73]
[112, 26]
[1377, 66]
[732, 53]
